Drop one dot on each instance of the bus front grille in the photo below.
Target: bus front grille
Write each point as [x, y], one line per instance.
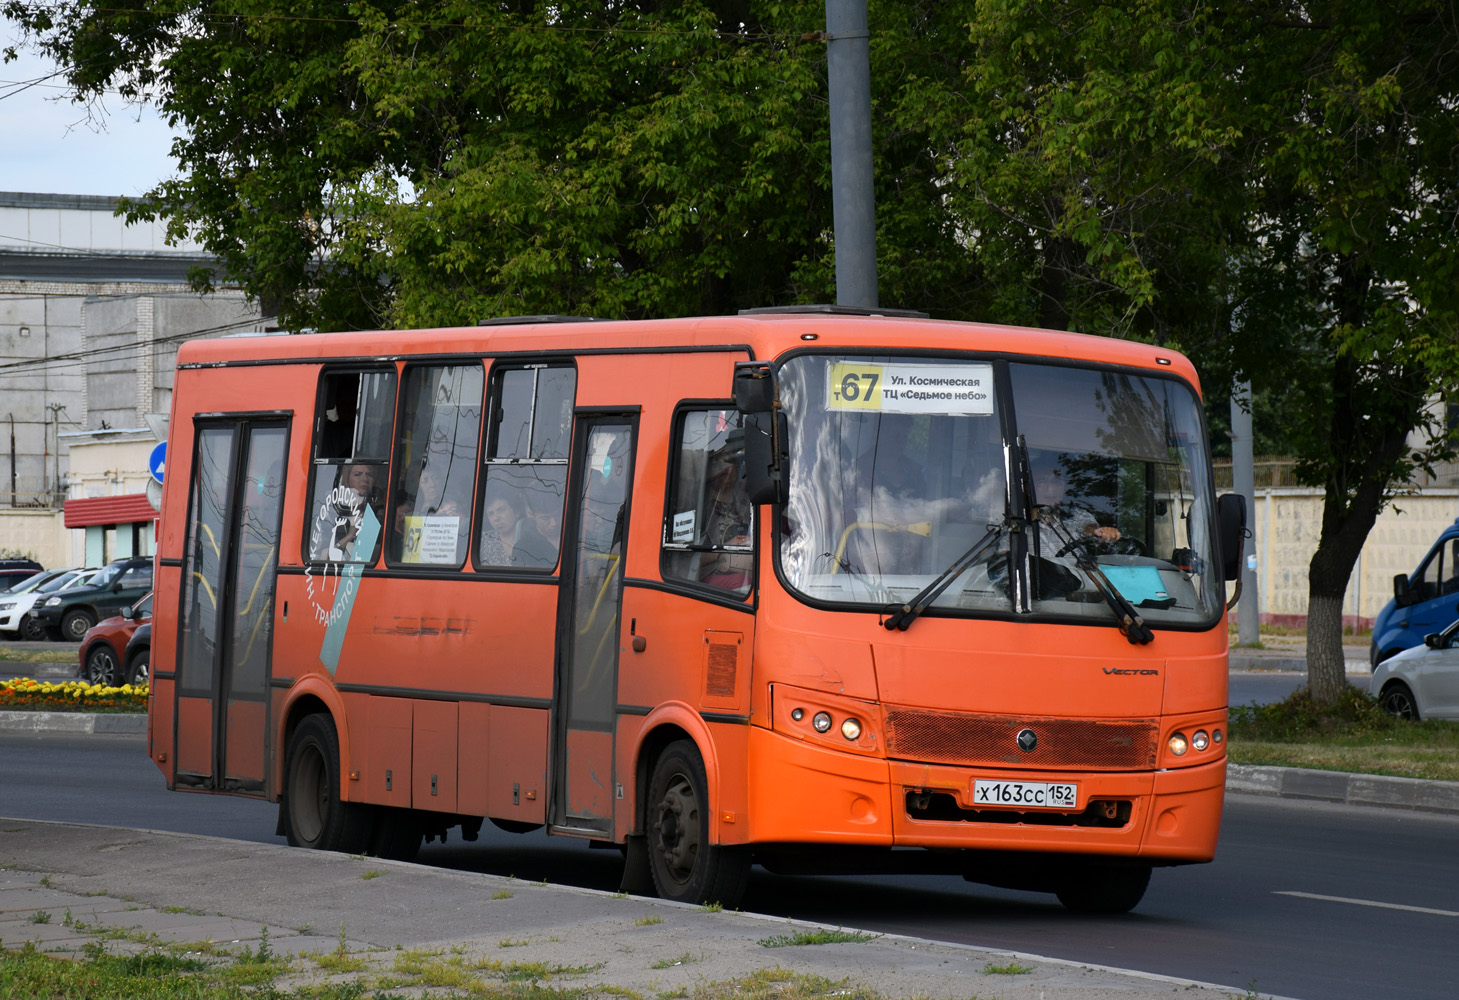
[922, 735]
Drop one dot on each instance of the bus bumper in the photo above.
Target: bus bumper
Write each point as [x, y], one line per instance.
[801, 793]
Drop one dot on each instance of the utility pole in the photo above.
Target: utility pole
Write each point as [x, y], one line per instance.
[1243, 481]
[56, 494]
[848, 63]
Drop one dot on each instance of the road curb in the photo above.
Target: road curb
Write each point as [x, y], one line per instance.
[1419, 794]
[129, 723]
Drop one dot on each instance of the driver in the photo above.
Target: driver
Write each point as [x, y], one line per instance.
[1075, 516]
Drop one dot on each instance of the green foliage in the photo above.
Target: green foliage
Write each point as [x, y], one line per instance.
[799, 938]
[1299, 718]
[439, 162]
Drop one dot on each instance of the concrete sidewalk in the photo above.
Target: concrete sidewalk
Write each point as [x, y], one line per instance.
[64, 885]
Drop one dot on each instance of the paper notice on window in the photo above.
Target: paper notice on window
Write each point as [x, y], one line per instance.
[951, 389]
[683, 528]
[431, 540]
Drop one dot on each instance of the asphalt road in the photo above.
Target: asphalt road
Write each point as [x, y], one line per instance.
[1303, 900]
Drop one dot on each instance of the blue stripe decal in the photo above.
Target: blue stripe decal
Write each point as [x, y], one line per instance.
[344, 595]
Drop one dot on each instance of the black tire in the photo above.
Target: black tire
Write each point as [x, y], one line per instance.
[139, 669]
[101, 666]
[32, 629]
[1105, 888]
[75, 624]
[686, 867]
[396, 834]
[315, 816]
[1398, 700]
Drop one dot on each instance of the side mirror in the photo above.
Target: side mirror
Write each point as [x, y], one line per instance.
[116, 587]
[1231, 532]
[1402, 592]
[1435, 641]
[128, 612]
[766, 433]
[766, 463]
[754, 387]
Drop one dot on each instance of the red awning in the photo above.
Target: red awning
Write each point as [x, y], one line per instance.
[124, 509]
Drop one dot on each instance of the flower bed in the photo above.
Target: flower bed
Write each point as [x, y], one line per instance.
[24, 694]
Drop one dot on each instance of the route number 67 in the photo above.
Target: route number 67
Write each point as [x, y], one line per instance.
[854, 387]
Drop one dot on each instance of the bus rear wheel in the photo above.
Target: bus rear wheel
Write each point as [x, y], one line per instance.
[315, 816]
[1105, 888]
[686, 866]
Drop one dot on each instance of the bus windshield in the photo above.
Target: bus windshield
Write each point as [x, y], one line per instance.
[1014, 487]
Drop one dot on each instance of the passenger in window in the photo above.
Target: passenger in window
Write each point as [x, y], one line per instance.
[727, 520]
[344, 513]
[512, 538]
[429, 499]
[546, 513]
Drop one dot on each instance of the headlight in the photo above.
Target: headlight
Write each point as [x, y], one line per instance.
[1178, 744]
[851, 729]
[7, 606]
[821, 721]
[54, 602]
[1200, 740]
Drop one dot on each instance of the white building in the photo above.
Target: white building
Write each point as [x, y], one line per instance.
[91, 313]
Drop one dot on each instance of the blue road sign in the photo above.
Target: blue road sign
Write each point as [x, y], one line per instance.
[157, 461]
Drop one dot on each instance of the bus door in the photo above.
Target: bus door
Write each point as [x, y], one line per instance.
[589, 610]
[226, 618]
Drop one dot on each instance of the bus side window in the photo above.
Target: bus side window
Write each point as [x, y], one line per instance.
[524, 480]
[709, 528]
[351, 457]
[435, 462]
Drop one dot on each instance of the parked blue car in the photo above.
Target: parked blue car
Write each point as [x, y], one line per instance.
[1424, 602]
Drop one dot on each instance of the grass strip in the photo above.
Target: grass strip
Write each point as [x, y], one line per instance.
[1352, 735]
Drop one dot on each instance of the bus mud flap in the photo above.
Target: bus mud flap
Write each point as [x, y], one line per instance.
[638, 880]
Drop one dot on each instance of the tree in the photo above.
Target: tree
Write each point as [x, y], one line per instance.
[442, 161]
[1270, 187]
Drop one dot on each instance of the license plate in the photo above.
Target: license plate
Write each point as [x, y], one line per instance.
[1025, 794]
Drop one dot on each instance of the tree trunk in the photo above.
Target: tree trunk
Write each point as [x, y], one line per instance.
[1326, 672]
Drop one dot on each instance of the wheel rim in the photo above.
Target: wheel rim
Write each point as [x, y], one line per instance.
[677, 828]
[32, 629]
[141, 671]
[76, 627]
[1397, 702]
[308, 793]
[100, 666]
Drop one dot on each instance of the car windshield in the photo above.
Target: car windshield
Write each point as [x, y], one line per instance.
[32, 583]
[909, 479]
[106, 575]
[67, 579]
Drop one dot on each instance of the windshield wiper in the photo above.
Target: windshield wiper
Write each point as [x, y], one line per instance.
[907, 613]
[1127, 618]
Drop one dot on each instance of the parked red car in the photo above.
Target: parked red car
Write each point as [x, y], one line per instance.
[104, 646]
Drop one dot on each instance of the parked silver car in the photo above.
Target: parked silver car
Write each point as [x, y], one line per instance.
[1421, 682]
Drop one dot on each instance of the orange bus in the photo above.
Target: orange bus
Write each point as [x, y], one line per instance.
[810, 588]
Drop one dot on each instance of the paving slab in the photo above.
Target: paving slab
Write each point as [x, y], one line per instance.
[188, 889]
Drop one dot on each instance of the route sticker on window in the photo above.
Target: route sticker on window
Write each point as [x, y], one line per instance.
[431, 539]
[951, 389]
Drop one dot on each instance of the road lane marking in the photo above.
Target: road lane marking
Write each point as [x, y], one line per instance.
[1370, 902]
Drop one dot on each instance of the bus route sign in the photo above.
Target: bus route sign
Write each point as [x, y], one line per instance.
[951, 389]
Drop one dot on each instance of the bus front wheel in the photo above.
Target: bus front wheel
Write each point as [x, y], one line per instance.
[315, 816]
[1105, 888]
[686, 866]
